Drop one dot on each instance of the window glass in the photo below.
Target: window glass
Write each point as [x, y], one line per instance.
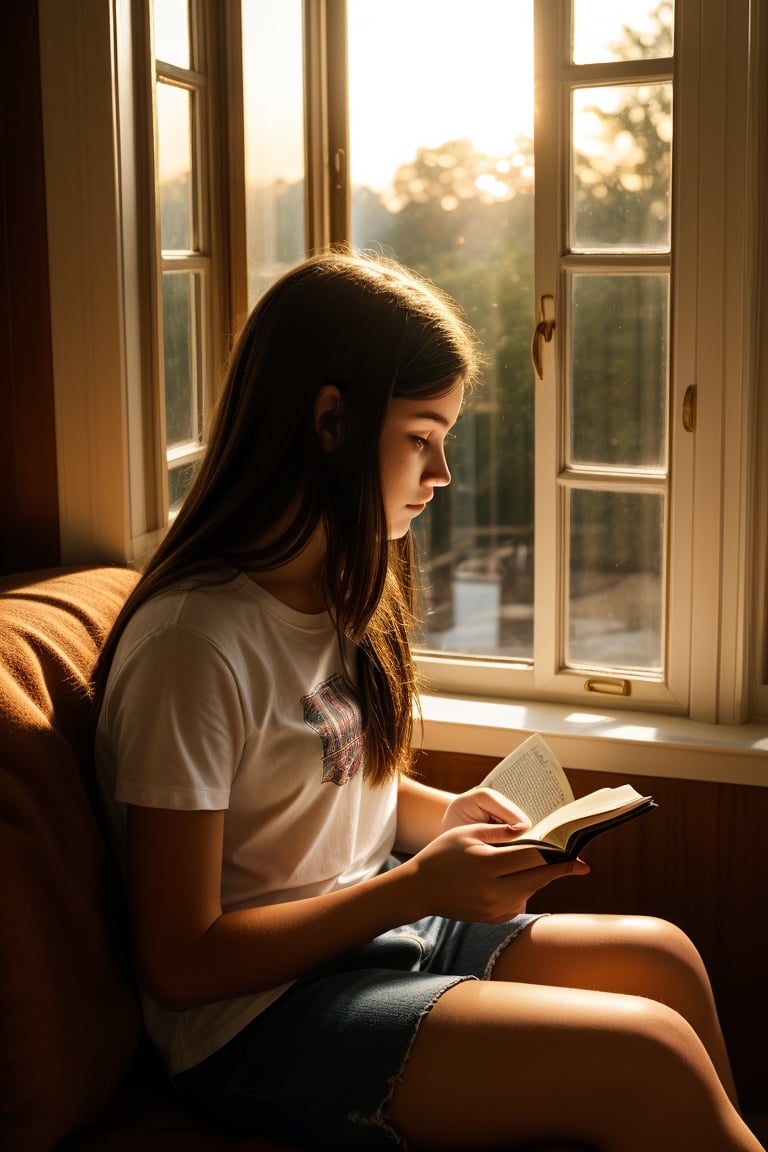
[274, 139]
[621, 30]
[183, 371]
[621, 163]
[174, 120]
[181, 327]
[184, 101]
[615, 580]
[618, 340]
[442, 179]
[180, 476]
[172, 43]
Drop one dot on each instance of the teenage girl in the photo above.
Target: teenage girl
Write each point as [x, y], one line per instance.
[254, 742]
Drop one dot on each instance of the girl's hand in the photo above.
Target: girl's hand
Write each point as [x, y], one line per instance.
[485, 806]
[474, 872]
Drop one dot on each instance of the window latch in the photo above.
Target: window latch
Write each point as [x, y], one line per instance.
[689, 408]
[339, 168]
[543, 330]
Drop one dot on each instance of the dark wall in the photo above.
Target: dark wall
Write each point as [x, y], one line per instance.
[29, 525]
[699, 861]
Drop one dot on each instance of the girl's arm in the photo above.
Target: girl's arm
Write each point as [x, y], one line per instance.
[189, 952]
[420, 812]
[424, 812]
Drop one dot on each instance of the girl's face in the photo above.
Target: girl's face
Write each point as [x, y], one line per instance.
[412, 456]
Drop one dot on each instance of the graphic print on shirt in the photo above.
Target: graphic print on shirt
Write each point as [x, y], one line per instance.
[334, 711]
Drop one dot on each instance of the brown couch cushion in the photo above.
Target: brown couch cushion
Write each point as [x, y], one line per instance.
[69, 1020]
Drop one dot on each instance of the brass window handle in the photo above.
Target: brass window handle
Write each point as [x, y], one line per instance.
[544, 328]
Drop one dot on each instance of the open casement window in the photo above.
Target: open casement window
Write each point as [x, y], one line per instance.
[607, 619]
[278, 181]
[606, 522]
[181, 49]
[594, 545]
[548, 560]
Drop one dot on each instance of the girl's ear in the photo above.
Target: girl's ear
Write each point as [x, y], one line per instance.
[328, 417]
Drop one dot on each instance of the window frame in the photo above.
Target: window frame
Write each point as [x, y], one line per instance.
[713, 524]
[197, 260]
[105, 260]
[104, 306]
[556, 264]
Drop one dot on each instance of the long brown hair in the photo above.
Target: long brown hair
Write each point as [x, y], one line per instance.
[375, 330]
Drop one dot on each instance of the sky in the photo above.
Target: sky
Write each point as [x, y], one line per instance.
[421, 72]
[437, 70]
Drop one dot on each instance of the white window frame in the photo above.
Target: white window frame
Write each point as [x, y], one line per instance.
[105, 261]
[197, 260]
[105, 346]
[555, 267]
[714, 531]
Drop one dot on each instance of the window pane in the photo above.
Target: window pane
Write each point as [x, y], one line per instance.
[181, 326]
[442, 179]
[179, 479]
[172, 32]
[621, 30]
[274, 139]
[615, 581]
[620, 183]
[174, 111]
[618, 338]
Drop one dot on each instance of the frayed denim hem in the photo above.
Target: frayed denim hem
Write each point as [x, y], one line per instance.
[380, 1118]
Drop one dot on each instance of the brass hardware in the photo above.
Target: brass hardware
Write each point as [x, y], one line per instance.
[339, 168]
[609, 687]
[544, 327]
[689, 408]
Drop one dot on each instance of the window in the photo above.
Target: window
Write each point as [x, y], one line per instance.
[630, 582]
[606, 525]
[182, 117]
[273, 99]
[442, 177]
[605, 253]
[570, 589]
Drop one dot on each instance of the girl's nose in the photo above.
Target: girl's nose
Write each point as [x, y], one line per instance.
[440, 476]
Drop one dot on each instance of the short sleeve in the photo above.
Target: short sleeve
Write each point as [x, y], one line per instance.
[175, 722]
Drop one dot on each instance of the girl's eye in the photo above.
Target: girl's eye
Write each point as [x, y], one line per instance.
[421, 441]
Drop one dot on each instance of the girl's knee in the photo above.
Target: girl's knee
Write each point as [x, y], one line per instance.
[649, 1034]
[649, 934]
[636, 933]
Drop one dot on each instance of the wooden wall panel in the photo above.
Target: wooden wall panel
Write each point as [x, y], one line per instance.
[29, 523]
[699, 861]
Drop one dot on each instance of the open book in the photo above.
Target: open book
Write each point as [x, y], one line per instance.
[532, 778]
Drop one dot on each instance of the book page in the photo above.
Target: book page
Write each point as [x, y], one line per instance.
[532, 778]
[587, 810]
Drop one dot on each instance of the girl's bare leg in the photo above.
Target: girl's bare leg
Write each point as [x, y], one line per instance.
[495, 1065]
[638, 955]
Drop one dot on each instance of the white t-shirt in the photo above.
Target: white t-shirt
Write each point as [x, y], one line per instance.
[222, 697]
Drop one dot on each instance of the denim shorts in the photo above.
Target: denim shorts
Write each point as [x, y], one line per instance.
[319, 1065]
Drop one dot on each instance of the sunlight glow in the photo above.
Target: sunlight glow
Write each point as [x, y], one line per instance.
[586, 718]
[634, 732]
[422, 74]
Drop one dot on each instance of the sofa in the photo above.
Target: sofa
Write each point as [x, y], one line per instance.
[77, 1073]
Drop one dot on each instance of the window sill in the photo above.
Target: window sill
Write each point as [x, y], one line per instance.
[640, 744]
